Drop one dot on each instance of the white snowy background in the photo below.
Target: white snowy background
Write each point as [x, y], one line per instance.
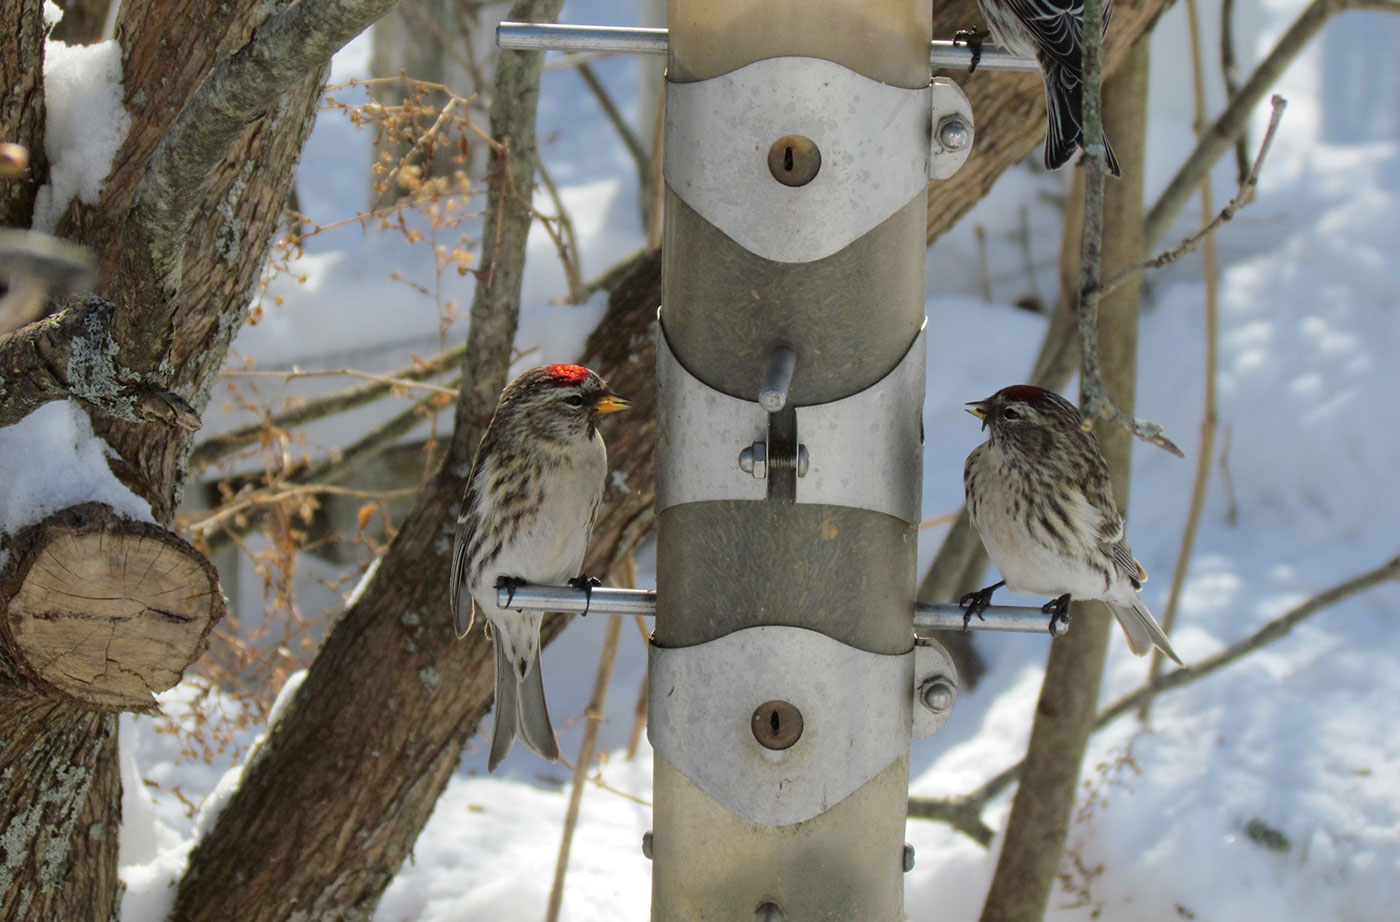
[1302, 737]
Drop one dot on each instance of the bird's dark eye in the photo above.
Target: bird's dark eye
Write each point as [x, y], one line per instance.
[574, 400]
[1010, 414]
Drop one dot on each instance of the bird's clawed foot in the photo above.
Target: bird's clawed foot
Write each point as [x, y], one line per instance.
[973, 39]
[974, 603]
[1058, 610]
[510, 583]
[586, 583]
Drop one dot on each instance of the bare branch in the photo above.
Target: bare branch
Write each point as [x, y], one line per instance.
[1230, 123]
[1241, 199]
[1210, 267]
[1231, 74]
[640, 158]
[70, 354]
[221, 446]
[1094, 395]
[956, 808]
[284, 49]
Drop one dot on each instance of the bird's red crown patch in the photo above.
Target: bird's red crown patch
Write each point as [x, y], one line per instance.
[1022, 393]
[567, 375]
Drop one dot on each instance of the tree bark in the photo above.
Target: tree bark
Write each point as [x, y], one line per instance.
[22, 105]
[1064, 718]
[104, 611]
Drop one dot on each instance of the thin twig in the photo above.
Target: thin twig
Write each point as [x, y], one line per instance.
[1097, 405]
[391, 381]
[1231, 122]
[947, 810]
[1211, 271]
[565, 241]
[1229, 70]
[221, 446]
[640, 159]
[594, 714]
[1243, 197]
[278, 496]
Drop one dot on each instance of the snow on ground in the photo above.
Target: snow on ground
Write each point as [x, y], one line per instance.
[1265, 792]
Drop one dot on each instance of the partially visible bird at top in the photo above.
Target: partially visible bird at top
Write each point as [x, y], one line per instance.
[531, 499]
[1039, 494]
[1053, 32]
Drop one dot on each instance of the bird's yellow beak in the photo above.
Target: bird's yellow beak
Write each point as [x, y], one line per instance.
[611, 403]
[978, 408]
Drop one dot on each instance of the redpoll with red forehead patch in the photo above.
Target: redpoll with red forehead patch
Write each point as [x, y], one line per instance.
[531, 498]
[1039, 494]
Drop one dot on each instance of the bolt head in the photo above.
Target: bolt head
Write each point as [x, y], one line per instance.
[647, 844]
[954, 133]
[937, 694]
[908, 857]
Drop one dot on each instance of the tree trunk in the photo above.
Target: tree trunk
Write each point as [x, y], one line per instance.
[1064, 717]
[22, 105]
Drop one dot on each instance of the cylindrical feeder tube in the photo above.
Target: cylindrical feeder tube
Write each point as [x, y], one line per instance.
[727, 565]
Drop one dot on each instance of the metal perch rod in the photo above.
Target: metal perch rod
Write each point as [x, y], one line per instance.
[539, 36]
[927, 618]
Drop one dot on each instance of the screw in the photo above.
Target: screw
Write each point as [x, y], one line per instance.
[754, 460]
[646, 845]
[776, 725]
[777, 378]
[954, 133]
[937, 694]
[794, 160]
[768, 911]
[908, 857]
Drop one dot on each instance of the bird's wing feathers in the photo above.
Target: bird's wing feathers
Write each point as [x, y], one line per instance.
[1058, 30]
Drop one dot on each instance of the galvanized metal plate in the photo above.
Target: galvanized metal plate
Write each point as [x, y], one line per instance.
[873, 141]
[700, 433]
[949, 104]
[866, 450]
[855, 707]
[933, 699]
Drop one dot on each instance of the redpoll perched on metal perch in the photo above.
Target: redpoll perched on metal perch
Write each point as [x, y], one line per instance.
[1053, 32]
[1039, 494]
[531, 499]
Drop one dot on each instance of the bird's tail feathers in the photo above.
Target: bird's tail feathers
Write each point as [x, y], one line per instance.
[463, 615]
[535, 728]
[1064, 101]
[507, 707]
[1142, 630]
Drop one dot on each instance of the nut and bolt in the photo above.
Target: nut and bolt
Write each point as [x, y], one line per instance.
[776, 725]
[954, 133]
[754, 460]
[794, 160]
[908, 857]
[937, 694]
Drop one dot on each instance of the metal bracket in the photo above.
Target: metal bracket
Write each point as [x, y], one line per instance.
[862, 451]
[700, 434]
[866, 450]
[868, 154]
[935, 687]
[542, 36]
[952, 129]
[779, 724]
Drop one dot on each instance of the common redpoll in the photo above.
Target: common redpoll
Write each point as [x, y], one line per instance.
[531, 498]
[1039, 494]
[1052, 31]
